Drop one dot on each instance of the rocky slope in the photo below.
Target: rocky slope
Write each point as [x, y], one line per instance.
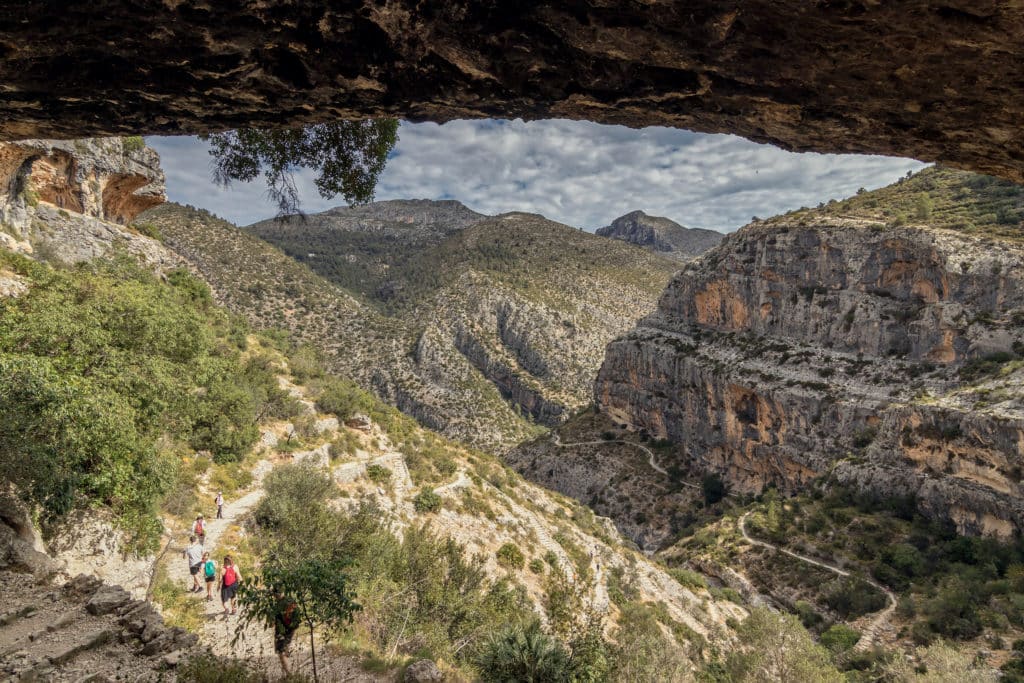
[830, 342]
[661, 235]
[930, 79]
[72, 200]
[481, 332]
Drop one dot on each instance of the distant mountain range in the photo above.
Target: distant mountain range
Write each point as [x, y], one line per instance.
[482, 327]
[661, 235]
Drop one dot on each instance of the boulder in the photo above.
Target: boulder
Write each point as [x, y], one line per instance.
[106, 600]
[423, 671]
[359, 421]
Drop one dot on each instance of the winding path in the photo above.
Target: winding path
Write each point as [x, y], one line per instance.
[870, 634]
[650, 454]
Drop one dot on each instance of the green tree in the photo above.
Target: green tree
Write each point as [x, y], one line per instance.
[776, 647]
[348, 157]
[320, 589]
[713, 487]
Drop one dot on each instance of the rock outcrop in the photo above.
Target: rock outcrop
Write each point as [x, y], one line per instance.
[661, 235]
[813, 344]
[74, 199]
[930, 79]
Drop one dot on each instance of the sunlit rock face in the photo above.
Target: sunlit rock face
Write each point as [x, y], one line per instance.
[73, 199]
[805, 348]
[935, 80]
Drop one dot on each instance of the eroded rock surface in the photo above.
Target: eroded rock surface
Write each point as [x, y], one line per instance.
[73, 199]
[931, 79]
[814, 344]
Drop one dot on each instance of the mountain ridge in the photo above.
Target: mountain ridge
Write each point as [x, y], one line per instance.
[661, 235]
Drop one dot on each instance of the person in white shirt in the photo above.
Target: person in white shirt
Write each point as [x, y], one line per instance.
[194, 554]
[220, 504]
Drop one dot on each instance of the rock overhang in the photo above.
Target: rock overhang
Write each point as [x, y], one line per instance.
[937, 80]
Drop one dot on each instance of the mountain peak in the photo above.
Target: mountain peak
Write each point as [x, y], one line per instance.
[659, 234]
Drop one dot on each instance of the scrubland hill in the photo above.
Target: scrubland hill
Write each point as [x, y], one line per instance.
[483, 328]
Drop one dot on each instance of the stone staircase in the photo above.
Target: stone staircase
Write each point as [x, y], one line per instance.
[84, 631]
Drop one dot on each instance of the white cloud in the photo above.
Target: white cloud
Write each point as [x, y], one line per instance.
[576, 172]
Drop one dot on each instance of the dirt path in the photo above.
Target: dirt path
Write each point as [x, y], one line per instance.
[651, 460]
[881, 619]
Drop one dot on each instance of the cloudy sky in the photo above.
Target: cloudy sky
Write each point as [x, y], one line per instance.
[580, 173]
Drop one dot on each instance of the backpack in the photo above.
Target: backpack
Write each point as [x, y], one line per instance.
[211, 569]
[288, 616]
[199, 528]
[229, 576]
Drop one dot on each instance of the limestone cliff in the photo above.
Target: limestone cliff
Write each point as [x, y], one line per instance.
[74, 199]
[661, 235]
[817, 343]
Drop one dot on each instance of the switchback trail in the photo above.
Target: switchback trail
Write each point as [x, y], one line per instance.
[650, 454]
[870, 634]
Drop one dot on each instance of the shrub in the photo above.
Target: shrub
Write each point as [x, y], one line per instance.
[132, 143]
[510, 556]
[342, 398]
[690, 579]
[839, 638]
[537, 565]
[427, 501]
[713, 487]
[523, 655]
[378, 474]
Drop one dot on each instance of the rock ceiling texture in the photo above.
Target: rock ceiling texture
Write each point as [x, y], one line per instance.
[921, 78]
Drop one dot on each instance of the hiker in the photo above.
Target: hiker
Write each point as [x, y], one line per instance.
[194, 554]
[199, 529]
[286, 623]
[229, 585]
[219, 500]
[210, 573]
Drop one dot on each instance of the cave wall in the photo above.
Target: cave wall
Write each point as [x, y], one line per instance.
[931, 79]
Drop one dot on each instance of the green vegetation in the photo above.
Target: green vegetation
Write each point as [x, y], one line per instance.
[427, 501]
[378, 474]
[319, 589]
[950, 586]
[111, 378]
[510, 556]
[773, 647]
[944, 198]
[132, 143]
[348, 157]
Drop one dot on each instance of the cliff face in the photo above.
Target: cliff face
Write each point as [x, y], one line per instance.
[73, 199]
[930, 79]
[661, 235]
[812, 344]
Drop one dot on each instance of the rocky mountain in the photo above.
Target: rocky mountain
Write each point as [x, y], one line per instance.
[855, 341]
[480, 327]
[661, 235]
[360, 247]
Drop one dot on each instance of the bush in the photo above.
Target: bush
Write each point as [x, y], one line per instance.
[537, 565]
[689, 579]
[342, 398]
[523, 655]
[839, 638]
[378, 474]
[713, 487]
[510, 556]
[427, 501]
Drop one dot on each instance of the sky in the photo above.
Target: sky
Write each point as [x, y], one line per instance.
[576, 172]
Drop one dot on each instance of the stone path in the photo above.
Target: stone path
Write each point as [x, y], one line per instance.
[879, 622]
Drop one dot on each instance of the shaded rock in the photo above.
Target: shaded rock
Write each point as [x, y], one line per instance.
[838, 77]
[423, 671]
[359, 421]
[107, 599]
